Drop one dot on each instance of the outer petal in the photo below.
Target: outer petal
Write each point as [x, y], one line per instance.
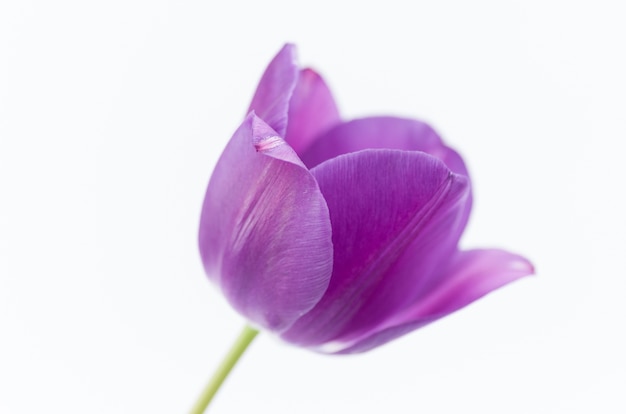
[265, 234]
[271, 99]
[312, 111]
[471, 275]
[396, 219]
[385, 132]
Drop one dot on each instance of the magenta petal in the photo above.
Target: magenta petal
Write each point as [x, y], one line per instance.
[312, 110]
[265, 233]
[387, 208]
[271, 99]
[385, 132]
[381, 132]
[471, 275]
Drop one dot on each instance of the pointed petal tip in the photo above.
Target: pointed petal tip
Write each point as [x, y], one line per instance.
[290, 50]
[271, 98]
[524, 266]
[310, 74]
[475, 273]
[514, 264]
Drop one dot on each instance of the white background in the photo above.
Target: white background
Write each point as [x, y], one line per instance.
[113, 114]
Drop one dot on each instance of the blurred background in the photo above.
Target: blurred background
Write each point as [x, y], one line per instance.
[113, 114]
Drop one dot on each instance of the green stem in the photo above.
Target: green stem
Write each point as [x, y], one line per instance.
[245, 337]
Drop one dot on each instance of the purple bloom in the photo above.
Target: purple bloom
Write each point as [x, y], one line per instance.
[340, 236]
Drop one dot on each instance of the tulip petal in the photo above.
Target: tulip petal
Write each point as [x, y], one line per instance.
[271, 99]
[381, 132]
[471, 275]
[265, 233]
[396, 218]
[385, 132]
[312, 110]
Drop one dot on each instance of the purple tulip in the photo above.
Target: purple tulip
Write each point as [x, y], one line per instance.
[340, 236]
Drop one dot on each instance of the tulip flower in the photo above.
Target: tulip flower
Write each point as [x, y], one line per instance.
[339, 236]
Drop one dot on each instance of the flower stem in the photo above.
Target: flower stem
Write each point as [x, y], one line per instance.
[241, 344]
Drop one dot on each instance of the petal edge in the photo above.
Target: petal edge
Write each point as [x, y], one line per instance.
[271, 98]
[265, 234]
[312, 111]
[472, 275]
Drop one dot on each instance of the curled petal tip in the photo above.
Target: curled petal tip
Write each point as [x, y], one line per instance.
[523, 266]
